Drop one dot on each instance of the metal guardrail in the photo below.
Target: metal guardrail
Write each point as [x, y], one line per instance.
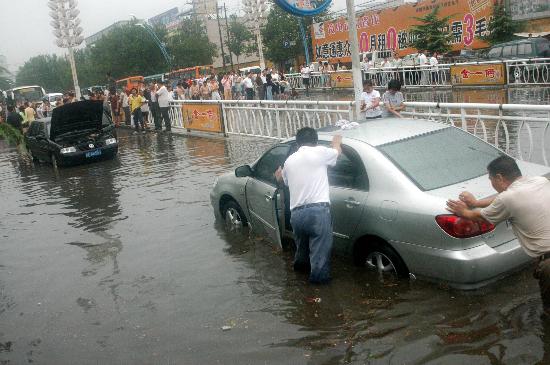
[521, 130]
[533, 71]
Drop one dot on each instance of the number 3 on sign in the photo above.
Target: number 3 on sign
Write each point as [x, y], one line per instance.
[470, 21]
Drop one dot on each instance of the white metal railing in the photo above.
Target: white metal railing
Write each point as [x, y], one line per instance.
[528, 71]
[534, 71]
[520, 130]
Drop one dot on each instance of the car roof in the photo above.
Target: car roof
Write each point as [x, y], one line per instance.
[385, 130]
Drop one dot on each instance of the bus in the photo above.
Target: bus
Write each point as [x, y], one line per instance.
[154, 78]
[128, 83]
[190, 73]
[19, 95]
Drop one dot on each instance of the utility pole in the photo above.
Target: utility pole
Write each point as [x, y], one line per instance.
[220, 31]
[355, 63]
[227, 29]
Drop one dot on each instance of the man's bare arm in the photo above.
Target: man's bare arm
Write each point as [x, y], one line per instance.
[337, 143]
[461, 209]
[472, 202]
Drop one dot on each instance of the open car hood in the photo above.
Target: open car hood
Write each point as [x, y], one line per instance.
[76, 117]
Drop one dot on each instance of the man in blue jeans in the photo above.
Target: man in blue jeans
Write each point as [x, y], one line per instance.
[305, 174]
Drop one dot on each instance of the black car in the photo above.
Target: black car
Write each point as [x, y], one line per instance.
[76, 133]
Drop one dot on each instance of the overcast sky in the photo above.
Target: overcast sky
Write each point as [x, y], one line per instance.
[26, 29]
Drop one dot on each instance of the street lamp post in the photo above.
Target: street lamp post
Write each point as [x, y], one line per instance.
[256, 14]
[155, 38]
[67, 31]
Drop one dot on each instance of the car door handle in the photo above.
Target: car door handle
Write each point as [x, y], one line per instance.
[268, 197]
[352, 203]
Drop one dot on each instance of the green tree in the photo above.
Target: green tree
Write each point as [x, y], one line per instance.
[281, 28]
[239, 39]
[430, 34]
[501, 27]
[190, 46]
[52, 72]
[127, 50]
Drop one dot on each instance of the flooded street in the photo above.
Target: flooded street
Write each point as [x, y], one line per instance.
[122, 262]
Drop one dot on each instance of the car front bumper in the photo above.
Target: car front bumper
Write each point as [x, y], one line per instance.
[82, 157]
[464, 269]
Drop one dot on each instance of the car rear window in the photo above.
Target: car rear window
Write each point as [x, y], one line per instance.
[441, 158]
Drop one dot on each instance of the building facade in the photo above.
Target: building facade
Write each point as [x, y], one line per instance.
[97, 36]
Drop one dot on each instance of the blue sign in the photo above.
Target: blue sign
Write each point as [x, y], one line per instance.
[303, 7]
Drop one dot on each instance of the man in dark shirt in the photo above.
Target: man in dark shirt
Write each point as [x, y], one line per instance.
[14, 119]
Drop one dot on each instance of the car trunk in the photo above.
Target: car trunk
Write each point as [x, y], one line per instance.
[481, 188]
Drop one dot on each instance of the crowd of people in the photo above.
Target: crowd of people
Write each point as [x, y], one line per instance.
[268, 84]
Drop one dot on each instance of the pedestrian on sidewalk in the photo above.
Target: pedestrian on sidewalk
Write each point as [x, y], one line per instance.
[214, 87]
[115, 106]
[136, 101]
[194, 90]
[124, 102]
[305, 71]
[249, 87]
[370, 101]
[155, 110]
[393, 99]
[163, 98]
[305, 174]
[524, 203]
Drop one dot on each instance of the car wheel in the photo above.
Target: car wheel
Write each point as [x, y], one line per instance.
[233, 215]
[382, 258]
[54, 161]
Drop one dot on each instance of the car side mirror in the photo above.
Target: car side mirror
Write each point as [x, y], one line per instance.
[243, 171]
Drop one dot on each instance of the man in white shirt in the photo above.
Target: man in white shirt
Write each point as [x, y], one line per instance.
[522, 201]
[248, 87]
[423, 62]
[305, 174]
[370, 101]
[163, 98]
[305, 71]
[126, 107]
[434, 72]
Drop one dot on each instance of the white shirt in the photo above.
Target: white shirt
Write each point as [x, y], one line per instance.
[526, 205]
[422, 59]
[305, 174]
[434, 62]
[124, 98]
[248, 83]
[163, 97]
[305, 72]
[369, 98]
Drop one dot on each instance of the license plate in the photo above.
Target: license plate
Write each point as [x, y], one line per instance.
[93, 153]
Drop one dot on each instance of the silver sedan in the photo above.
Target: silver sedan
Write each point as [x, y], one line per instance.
[388, 192]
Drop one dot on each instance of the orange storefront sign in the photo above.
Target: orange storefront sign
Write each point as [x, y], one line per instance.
[341, 79]
[390, 29]
[202, 117]
[490, 74]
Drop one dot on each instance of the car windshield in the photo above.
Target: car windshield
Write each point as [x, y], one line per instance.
[441, 158]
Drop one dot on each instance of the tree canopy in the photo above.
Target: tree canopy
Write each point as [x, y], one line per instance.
[240, 38]
[127, 50]
[430, 35]
[501, 27]
[189, 46]
[281, 36]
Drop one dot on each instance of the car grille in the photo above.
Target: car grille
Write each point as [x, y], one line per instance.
[85, 146]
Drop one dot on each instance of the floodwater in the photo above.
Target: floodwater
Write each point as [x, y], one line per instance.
[122, 262]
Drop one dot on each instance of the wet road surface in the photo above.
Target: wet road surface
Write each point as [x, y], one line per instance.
[121, 262]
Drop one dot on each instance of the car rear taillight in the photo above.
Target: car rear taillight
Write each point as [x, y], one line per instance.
[459, 227]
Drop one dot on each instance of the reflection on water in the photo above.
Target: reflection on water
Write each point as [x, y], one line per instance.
[122, 262]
